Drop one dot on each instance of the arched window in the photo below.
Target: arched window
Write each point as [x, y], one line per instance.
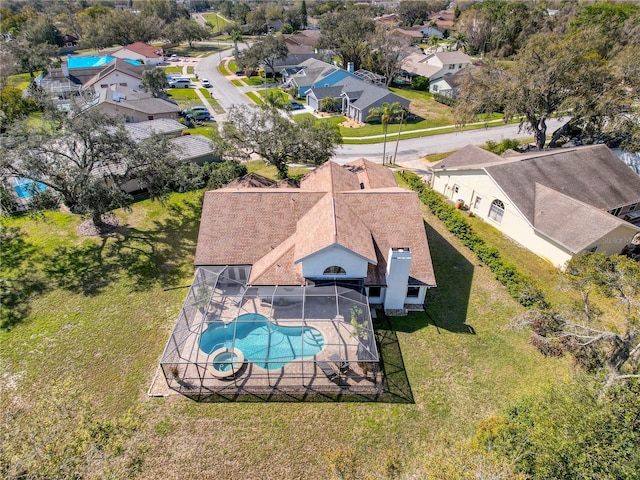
[334, 270]
[497, 210]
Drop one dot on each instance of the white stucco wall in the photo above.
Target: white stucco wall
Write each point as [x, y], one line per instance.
[315, 265]
[118, 78]
[615, 240]
[476, 183]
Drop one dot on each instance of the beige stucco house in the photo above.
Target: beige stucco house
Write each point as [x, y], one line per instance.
[556, 203]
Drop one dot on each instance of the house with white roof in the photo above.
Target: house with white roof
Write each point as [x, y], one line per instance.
[556, 203]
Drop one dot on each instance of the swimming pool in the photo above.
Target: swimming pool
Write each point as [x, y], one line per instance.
[23, 187]
[262, 342]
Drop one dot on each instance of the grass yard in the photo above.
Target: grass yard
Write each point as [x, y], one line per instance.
[186, 97]
[172, 70]
[257, 99]
[237, 83]
[216, 22]
[21, 80]
[224, 70]
[100, 322]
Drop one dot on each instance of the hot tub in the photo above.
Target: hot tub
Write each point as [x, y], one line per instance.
[226, 362]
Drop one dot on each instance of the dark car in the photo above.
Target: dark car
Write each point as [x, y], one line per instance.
[294, 106]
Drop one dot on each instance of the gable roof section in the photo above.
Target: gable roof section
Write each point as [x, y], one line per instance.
[238, 227]
[469, 156]
[330, 177]
[394, 217]
[324, 92]
[331, 222]
[137, 101]
[144, 49]
[593, 175]
[119, 65]
[578, 230]
[275, 229]
[372, 175]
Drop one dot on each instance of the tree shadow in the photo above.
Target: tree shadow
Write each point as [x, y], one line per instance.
[146, 257]
[19, 279]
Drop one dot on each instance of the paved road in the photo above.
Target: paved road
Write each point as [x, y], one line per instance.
[410, 151]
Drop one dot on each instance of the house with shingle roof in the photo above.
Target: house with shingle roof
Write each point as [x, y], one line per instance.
[143, 52]
[435, 65]
[350, 224]
[556, 203]
[133, 105]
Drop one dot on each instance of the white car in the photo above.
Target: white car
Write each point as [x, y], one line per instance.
[206, 83]
[174, 57]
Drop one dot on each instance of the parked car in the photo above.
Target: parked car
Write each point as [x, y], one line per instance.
[294, 106]
[198, 115]
[206, 83]
[197, 108]
[174, 57]
[180, 83]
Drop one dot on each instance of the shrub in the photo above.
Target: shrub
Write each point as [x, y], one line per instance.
[518, 286]
[444, 99]
[420, 83]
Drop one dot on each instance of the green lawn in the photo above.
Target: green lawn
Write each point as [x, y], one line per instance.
[21, 80]
[214, 103]
[237, 83]
[224, 71]
[172, 70]
[105, 308]
[186, 97]
[257, 99]
[216, 22]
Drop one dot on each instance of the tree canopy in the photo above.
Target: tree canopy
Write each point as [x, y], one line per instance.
[86, 157]
[264, 52]
[277, 139]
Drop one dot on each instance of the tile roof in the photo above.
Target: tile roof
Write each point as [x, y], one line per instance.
[274, 229]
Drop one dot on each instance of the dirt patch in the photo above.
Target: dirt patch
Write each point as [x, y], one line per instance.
[89, 229]
[351, 123]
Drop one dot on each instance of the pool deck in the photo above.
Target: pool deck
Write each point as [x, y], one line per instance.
[194, 376]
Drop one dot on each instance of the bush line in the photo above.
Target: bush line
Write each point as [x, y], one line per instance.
[520, 287]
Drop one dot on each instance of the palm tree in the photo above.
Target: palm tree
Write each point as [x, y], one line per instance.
[459, 41]
[236, 36]
[387, 114]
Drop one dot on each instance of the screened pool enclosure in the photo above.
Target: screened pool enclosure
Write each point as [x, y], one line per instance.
[263, 338]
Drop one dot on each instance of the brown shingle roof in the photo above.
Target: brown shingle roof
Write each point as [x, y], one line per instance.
[273, 229]
[144, 49]
[372, 175]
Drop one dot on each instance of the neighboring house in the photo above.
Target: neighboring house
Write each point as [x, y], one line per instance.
[410, 34]
[143, 52]
[306, 38]
[350, 223]
[449, 85]
[435, 65]
[317, 94]
[316, 73]
[443, 20]
[556, 203]
[291, 61]
[133, 105]
[120, 73]
[360, 97]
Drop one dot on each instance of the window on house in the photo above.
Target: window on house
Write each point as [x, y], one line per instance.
[615, 212]
[375, 291]
[434, 88]
[633, 207]
[334, 270]
[413, 292]
[452, 67]
[455, 189]
[477, 203]
[497, 210]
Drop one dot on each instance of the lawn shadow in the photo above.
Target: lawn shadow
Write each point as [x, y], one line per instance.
[19, 278]
[446, 305]
[147, 257]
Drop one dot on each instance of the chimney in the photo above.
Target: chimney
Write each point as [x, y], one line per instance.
[350, 67]
[398, 266]
[65, 69]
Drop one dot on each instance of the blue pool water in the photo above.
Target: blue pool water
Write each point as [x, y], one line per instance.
[23, 187]
[260, 340]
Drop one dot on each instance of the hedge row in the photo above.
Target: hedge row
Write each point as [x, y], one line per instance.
[518, 285]
[438, 97]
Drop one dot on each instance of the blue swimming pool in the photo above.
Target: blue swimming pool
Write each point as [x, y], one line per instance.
[262, 341]
[23, 188]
